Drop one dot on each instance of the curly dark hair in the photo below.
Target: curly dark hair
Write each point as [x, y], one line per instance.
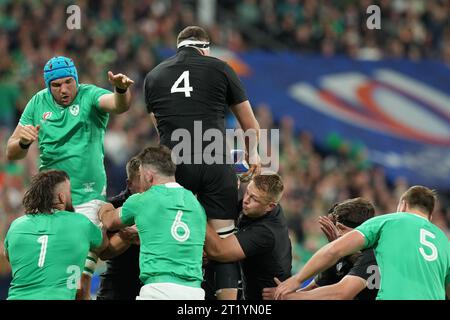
[40, 195]
[352, 212]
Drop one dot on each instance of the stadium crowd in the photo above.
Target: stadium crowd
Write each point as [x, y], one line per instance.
[126, 36]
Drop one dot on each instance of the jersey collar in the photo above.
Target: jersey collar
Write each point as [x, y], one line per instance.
[172, 185]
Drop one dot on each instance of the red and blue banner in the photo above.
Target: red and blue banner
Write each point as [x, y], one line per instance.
[399, 110]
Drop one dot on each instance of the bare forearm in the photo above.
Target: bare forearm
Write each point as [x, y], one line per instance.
[14, 151]
[122, 101]
[116, 247]
[320, 293]
[323, 259]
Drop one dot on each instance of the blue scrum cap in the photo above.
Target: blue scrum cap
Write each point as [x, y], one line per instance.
[59, 67]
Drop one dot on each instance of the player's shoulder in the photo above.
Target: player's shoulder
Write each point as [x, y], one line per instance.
[19, 222]
[137, 197]
[73, 217]
[87, 87]
[40, 97]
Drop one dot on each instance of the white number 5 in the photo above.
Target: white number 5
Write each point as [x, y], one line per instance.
[178, 224]
[434, 253]
[186, 89]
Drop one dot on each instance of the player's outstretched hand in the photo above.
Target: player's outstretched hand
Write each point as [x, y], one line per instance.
[119, 80]
[328, 228]
[254, 170]
[269, 293]
[28, 134]
[285, 287]
[343, 228]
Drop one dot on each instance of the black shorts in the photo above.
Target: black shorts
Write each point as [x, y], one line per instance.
[221, 276]
[215, 186]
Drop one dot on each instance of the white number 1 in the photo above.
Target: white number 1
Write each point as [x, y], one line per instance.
[186, 89]
[43, 240]
[434, 253]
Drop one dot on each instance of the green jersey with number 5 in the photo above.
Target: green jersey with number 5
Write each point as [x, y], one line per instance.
[413, 256]
[172, 228]
[47, 254]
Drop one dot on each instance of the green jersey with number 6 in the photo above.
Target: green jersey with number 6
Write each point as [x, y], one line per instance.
[413, 256]
[71, 139]
[172, 228]
[47, 254]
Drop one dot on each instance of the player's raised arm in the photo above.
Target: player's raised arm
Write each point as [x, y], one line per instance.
[119, 101]
[246, 118]
[323, 259]
[20, 141]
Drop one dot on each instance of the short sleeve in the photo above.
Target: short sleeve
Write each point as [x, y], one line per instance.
[255, 240]
[447, 279]
[95, 236]
[148, 89]
[129, 209]
[6, 244]
[96, 93]
[235, 90]
[364, 265]
[27, 118]
[371, 230]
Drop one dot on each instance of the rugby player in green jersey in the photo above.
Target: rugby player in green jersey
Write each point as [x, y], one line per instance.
[68, 120]
[172, 226]
[412, 253]
[47, 247]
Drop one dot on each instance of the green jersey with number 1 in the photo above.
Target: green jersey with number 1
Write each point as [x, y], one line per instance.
[47, 254]
[413, 256]
[71, 139]
[172, 229]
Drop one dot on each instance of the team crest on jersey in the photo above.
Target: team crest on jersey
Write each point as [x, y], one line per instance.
[47, 115]
[74, 109]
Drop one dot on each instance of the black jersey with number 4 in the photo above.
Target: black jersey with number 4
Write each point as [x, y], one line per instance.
[190, 87]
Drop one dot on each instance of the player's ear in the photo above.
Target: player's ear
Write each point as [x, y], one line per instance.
[62, 197]
[271, 206]
[402, 206]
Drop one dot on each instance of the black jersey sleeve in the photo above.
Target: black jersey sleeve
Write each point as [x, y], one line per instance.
[148, 84]
[364, 264]
[235, 91]
[255, 240]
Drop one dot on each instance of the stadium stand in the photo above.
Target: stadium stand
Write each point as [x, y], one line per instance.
[129, 36]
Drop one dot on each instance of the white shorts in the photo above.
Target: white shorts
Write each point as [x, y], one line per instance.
[90, 210]
[170, 291]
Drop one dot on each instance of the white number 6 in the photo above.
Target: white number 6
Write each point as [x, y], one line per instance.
[177, 224]
[434, 253]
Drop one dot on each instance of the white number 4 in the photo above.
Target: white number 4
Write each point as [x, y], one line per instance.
[434, 253]
[186, 88]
